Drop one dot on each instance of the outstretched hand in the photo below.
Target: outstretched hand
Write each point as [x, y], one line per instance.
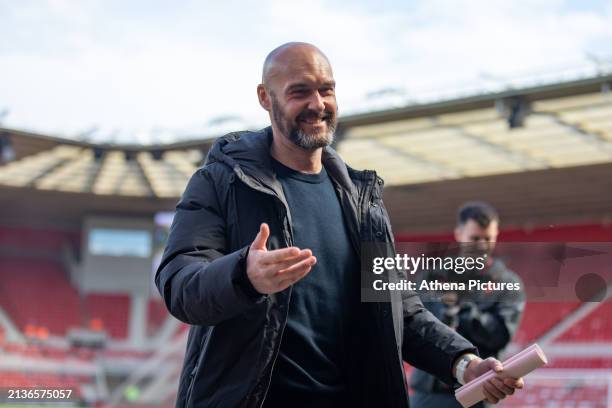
[274, 271]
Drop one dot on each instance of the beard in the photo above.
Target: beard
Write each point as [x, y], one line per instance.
[473, 250]
[298, 136]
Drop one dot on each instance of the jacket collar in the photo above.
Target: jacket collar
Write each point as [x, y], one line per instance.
[249, 153]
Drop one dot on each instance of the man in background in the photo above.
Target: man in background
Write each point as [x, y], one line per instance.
[487, 319]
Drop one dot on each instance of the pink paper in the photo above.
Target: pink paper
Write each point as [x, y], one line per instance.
[516, 366]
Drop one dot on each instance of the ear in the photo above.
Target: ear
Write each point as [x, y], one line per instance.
[264, 97]
[458, 234]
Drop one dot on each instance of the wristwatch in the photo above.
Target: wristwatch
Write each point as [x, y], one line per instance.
[462, 365]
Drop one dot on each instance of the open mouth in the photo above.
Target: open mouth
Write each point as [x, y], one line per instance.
[314, 120]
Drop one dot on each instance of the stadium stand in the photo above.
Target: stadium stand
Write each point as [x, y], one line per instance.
[562, 393]
[547, 173]
[36, 294]
[583, 362]
[112, 310]
[596, 327]
[539, 317]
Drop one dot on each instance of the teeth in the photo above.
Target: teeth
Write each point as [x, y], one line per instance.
[313, 121]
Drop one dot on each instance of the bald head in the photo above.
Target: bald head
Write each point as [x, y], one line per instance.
[289, 56]
[298, 91]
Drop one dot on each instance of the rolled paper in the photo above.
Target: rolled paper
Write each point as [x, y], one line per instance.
[519, 365]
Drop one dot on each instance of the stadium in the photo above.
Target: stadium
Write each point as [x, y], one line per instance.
[82, 225]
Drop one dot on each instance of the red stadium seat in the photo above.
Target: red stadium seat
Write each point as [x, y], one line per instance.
[112, 310]
[36, 293]
[539, 317]
[594, 328]
[38, 297]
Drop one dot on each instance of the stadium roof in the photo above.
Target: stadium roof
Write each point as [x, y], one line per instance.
[557, 126]
[48, 163]
[555, 168]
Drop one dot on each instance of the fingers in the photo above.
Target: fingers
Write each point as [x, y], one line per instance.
[489, 397]
[262, 237]
[485, 365]
[285, 283]
[514, 382]
[491, 392]
[497, 388]
[502, 386]
[298, 268]
[285, 257]
[495, 364]
[294, 273]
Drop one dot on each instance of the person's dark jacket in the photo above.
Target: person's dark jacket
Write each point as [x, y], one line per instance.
[235, 333]
[487, 319]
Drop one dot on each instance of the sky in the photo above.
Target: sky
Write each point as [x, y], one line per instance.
[157, 71]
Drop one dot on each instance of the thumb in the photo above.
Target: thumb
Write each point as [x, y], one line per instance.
[260, 240]
[495, 365]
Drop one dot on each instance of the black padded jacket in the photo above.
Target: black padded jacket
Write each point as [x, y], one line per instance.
[234, 337]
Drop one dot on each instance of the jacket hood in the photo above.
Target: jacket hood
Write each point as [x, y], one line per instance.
[248, 152]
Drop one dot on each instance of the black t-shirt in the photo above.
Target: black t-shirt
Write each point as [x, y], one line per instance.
[310, 368]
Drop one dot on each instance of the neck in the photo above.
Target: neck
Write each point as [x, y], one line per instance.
[292, 156]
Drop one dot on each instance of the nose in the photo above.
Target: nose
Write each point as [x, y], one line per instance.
[316, 102]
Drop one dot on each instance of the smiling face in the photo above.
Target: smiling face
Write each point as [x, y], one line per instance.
[298, 91]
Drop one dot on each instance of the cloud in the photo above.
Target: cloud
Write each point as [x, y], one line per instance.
[138, 66]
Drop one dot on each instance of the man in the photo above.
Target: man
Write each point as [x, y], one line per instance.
[262, 260]
[487, 319]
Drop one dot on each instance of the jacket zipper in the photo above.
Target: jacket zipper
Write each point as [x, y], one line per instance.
[367, 199]
[368, 192]
[289, 241]
[282, 330]
[380, 316]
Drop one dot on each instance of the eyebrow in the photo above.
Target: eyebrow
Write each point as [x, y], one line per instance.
[302, 85]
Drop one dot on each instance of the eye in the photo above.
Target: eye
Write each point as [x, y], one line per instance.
[299, 92]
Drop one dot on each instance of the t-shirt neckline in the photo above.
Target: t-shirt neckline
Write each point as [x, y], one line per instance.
[284, 171]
